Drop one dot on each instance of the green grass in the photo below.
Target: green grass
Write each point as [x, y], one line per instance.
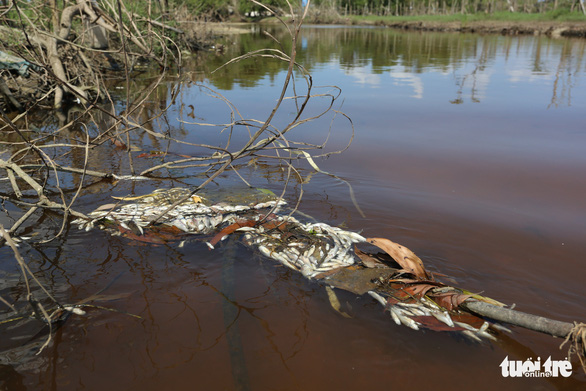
[558, 16]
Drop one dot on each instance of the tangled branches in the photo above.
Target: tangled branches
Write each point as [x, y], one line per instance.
[101, 142]
[68, 58]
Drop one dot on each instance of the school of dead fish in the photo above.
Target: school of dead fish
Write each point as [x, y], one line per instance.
[309, 248]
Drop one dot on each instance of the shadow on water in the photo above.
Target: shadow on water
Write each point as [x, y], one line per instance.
[467, 149]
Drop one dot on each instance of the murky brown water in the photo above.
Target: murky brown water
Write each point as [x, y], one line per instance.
[468, 149]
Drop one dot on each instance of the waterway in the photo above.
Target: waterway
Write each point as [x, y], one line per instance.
[468, 149]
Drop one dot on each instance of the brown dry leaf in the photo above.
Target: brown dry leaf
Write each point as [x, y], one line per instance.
[118, 143]
[449, 300]
[459, 298]
[403, 256]
[146, 154]
[444, 301]
[148, 237]
[230, 229]
[369, 260]
[282, 226]
[418, 290]
[409, 290]
[196, 199]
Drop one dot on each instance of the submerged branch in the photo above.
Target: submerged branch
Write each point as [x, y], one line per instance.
[517, 318]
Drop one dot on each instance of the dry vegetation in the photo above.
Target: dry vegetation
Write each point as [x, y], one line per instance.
[48, 172]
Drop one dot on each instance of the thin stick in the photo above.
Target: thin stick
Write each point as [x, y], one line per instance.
[22, 219]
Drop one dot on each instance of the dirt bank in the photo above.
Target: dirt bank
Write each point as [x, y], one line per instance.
[549, 28]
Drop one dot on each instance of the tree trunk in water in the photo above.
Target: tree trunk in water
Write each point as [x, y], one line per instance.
[59, 71]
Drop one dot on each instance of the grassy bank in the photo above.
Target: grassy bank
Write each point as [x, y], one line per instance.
[510, 17]
[554, 23]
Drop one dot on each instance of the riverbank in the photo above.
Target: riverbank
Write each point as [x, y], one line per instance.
[549, 28]
[566, 25]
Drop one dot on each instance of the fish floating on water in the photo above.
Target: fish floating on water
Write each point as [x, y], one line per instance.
[316, 250]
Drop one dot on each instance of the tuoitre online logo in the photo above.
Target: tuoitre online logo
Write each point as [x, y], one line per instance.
[529, 368]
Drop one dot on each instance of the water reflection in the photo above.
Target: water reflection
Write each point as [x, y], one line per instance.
[409, 79]
[473, 64]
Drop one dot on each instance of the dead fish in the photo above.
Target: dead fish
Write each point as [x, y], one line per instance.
[500, 327]
[483, 332]
[246, 229]
[471, 335]
[283, 260]
[357, 238]
[290, 256]
[294, 251]
[378, 297]
[486, 335]
[307, 271]
[443, 317]
[395, 318]
[466, 326]
[412, 309]
[74, 310]
[180, 224]
[335, 303]
[264, 251]
[349, 259]
[405, 319]
[308, 251]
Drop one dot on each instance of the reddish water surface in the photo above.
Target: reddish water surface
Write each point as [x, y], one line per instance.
[468, 149]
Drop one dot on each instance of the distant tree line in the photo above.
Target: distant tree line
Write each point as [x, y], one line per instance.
[224, 9]
[418, 7]
[227, 8]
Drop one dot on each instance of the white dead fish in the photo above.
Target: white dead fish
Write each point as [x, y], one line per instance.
[471, 335]
[444, 317]
[405, 319]
[395, 318]
[74, 310]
